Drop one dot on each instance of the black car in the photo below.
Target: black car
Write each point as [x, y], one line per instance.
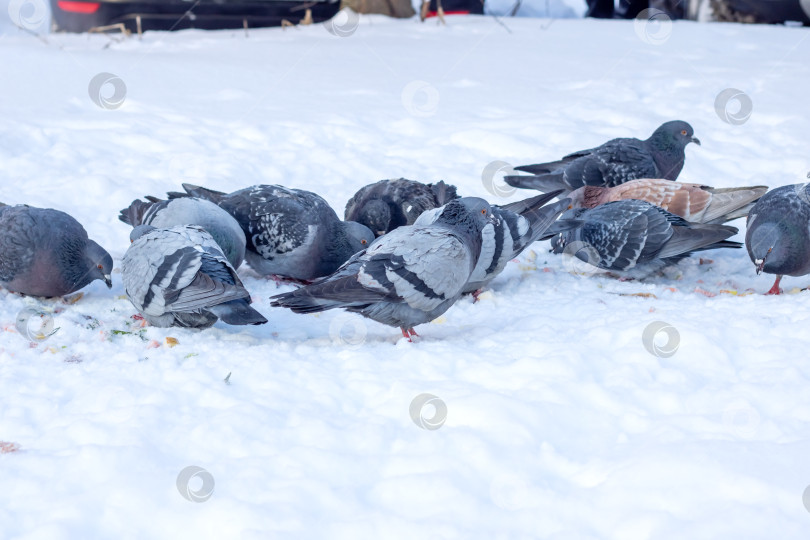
[747, 11]
[83, 15]
[758, 11]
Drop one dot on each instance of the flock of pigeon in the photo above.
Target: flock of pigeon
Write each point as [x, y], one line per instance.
[406, 251]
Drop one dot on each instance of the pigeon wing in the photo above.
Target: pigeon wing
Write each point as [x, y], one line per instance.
[16, 242]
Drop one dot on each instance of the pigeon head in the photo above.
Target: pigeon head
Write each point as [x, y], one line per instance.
[468, 217]
[100, 263]
[776, 247]
[359, 235]
[472, 212]
[139, 231]
[376, 215]
[674, 134]
[667, 145]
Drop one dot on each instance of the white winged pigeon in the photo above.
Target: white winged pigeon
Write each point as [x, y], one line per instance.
[190, 211]
[409, 276]
[517, 226]
[180, 277]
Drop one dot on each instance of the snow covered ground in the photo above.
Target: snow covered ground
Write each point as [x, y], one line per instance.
[559, 421]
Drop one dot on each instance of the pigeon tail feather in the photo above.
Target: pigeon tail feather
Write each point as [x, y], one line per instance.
[204, 193]
[133, 214]
[237, 312]
[543, 182]
[443, 192]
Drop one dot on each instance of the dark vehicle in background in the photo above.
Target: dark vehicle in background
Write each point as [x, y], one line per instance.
[84, 15]
[745, 11]
[759, 11]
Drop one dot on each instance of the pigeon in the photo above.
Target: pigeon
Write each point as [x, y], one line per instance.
[290, 233]
[517, 226]
[178, 276]
[614, 163]
[190, 211]
[388, 204]
[45, 252]
[633, 239]
[407, 277]
[693, 202]
[778, 235]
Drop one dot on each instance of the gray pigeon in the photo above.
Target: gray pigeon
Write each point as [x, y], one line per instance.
[778, 233]
[409, 276]
[45, 252]
[517, 226]
[614, 163]
[290, 233]
[190, 211]
[633, 239]
[693, 202]
[388, 204]
[180, 277]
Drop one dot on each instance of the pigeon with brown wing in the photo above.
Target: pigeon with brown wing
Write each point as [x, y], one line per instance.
[696, 203]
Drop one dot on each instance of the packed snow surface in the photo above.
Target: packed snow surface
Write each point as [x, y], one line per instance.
[560, 423]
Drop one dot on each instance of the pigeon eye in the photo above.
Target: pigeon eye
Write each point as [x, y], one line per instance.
[484, 212]
[100, 267]
[683, 132]
[364, 241]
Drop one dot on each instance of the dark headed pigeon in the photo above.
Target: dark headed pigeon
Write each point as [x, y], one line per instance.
[614, 163]
[190, 211]
[633, 239]
[409, 276]
[45, 252]
[778, 235]
[388, 204]
[290, 233]
[180, 277]
[693, 202]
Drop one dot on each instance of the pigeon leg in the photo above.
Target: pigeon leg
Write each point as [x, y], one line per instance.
[775, 289]
[413, 332]
[476, 294]
[405, 334]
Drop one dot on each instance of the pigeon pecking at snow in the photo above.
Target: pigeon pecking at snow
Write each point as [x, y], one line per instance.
[190, 211]
[613, 163]
[633, 239]
[179, 277]
[777, 235]
[409, 276]
[693, 202]
[517, 226]
[290, 233]
[388, 204]
[45, 252]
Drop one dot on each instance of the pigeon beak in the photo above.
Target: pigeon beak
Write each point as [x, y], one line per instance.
[696, 141]
[108, 281]
[760, 263]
